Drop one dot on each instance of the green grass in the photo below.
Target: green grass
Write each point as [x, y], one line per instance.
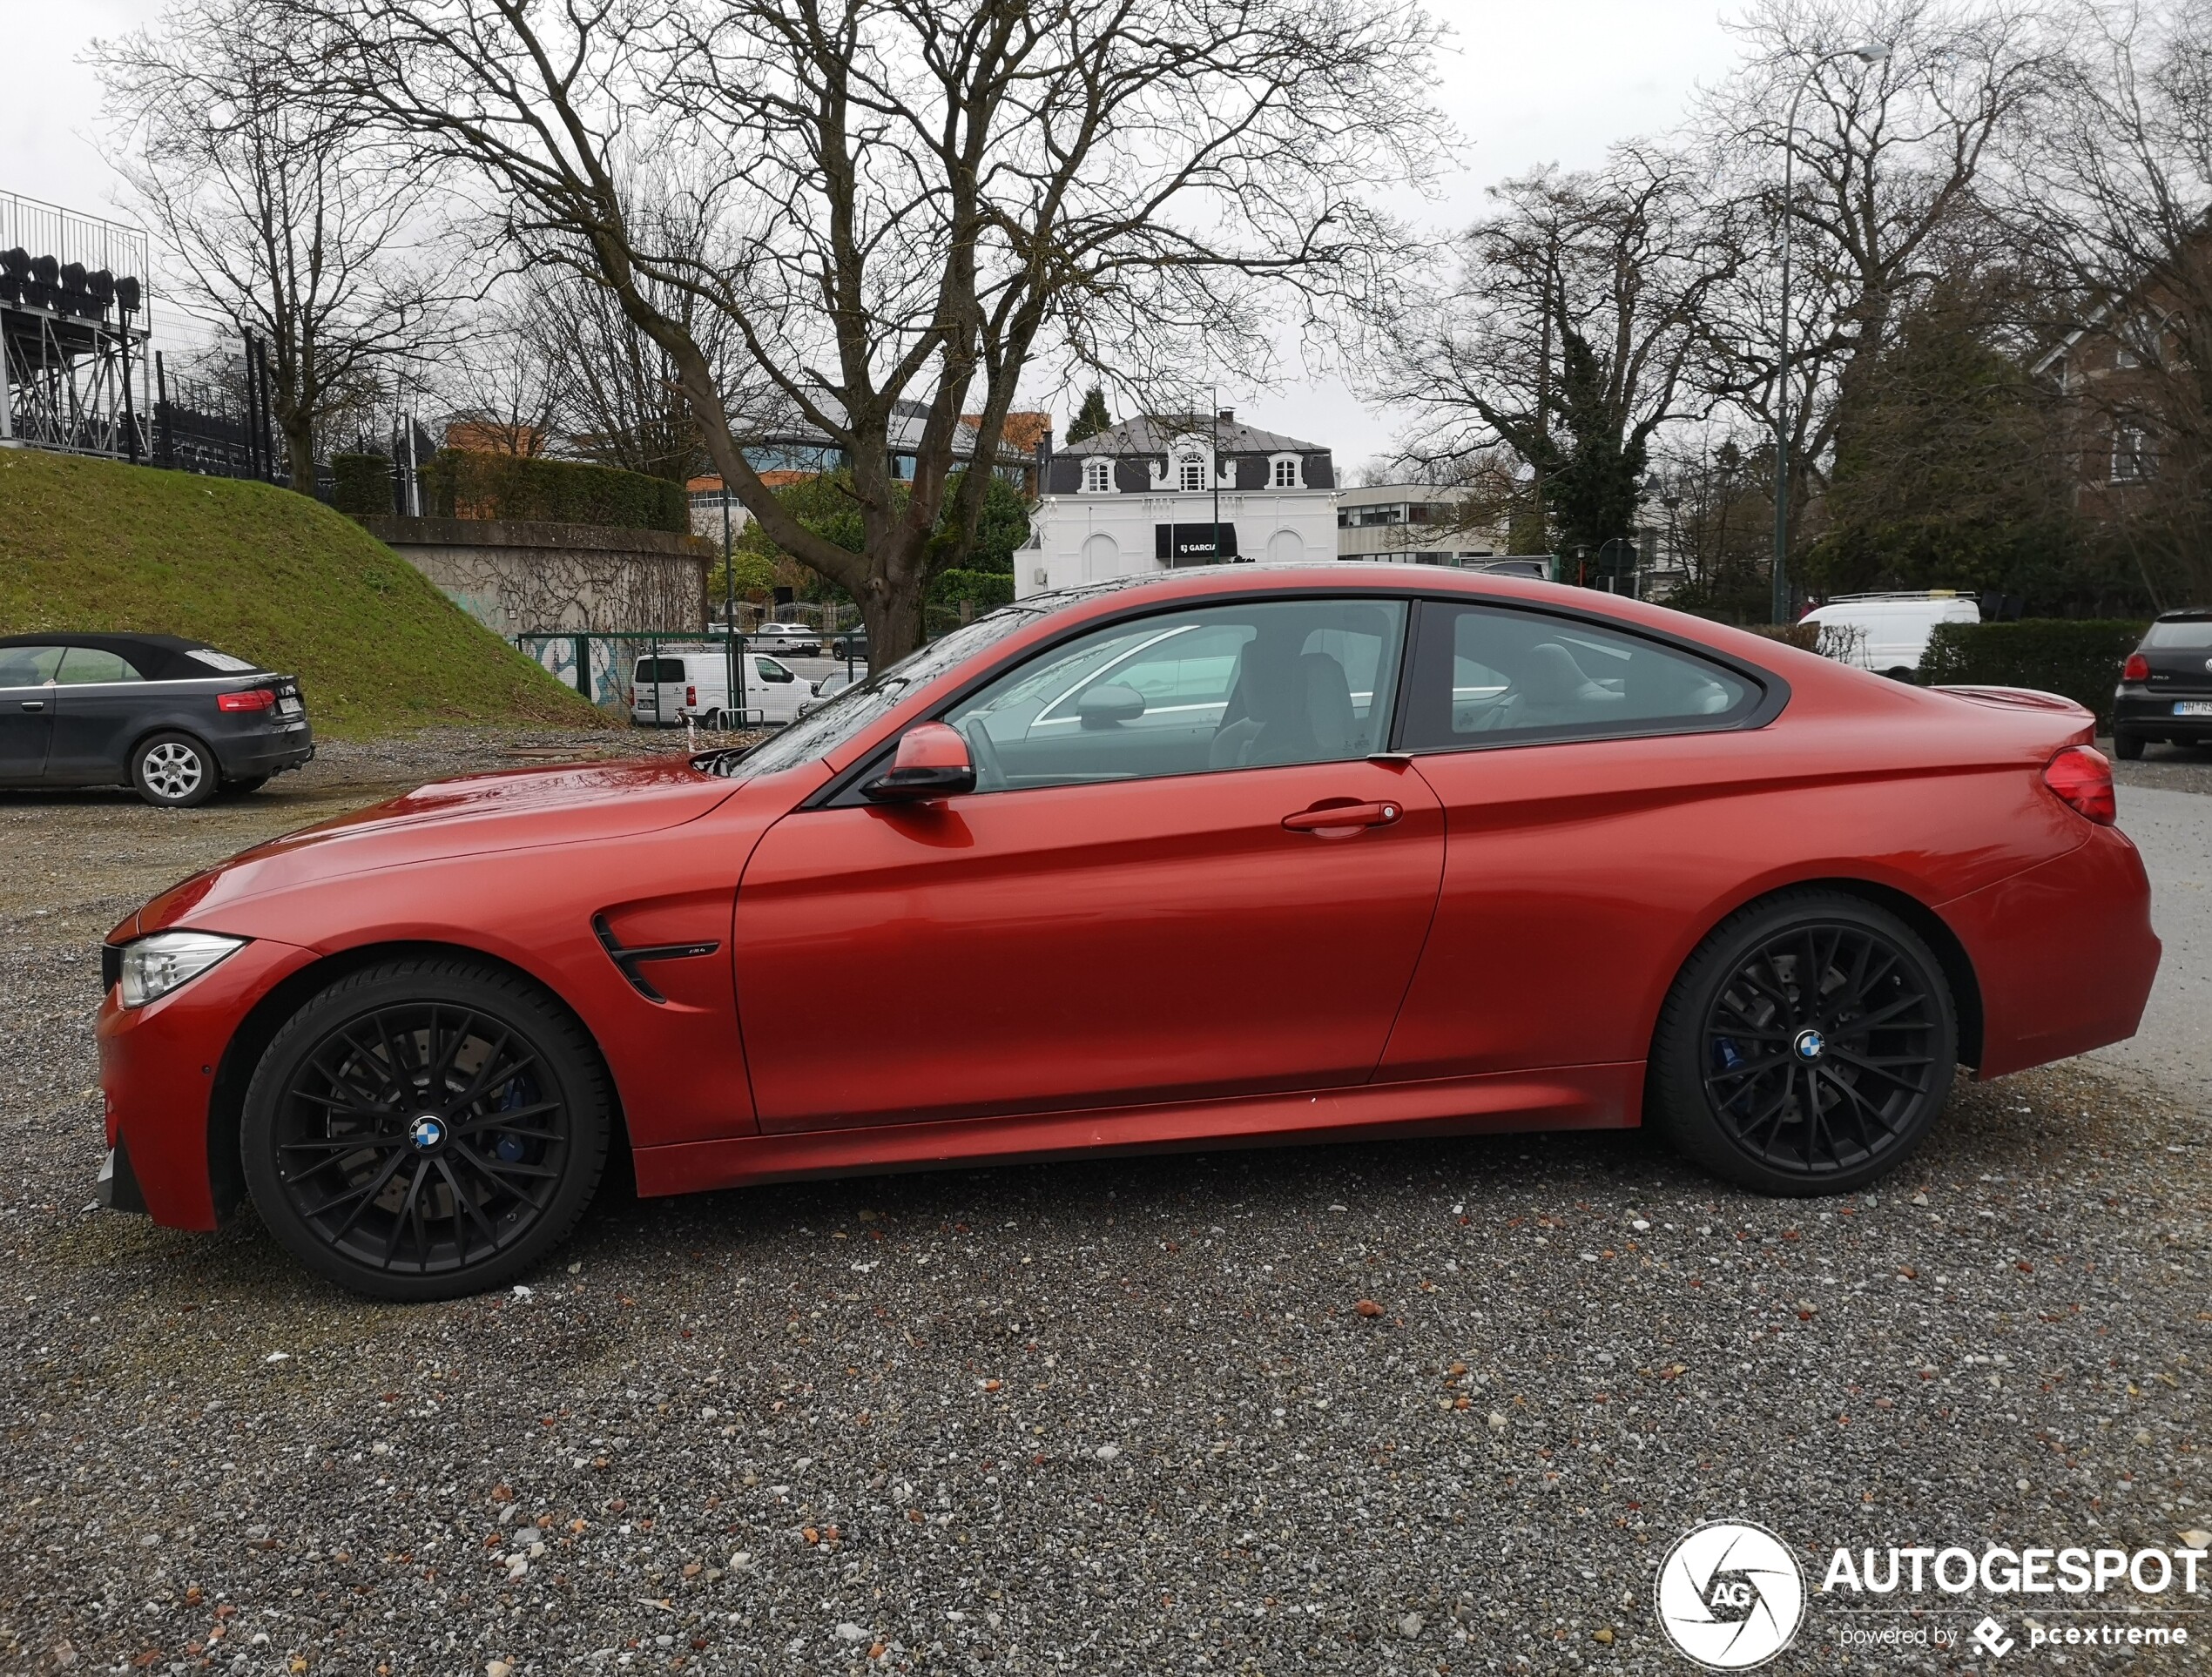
[268, 575]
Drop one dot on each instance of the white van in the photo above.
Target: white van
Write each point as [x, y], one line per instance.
[1887, 633]
[688, 684]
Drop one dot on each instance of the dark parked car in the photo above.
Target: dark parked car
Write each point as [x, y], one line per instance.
[2165, 689]
[173, 719]
[850, 644]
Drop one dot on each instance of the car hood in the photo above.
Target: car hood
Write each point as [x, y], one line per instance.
[514, 808]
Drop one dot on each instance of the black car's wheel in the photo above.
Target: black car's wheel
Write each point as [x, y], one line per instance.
[2127, 747]
[1806, 1048]
[173, 772]
[426, 1128]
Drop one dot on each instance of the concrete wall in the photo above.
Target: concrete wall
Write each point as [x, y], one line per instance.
[517, 578]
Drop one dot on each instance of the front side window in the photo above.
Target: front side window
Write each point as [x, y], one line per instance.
[768, 670]
[1489, 676]
[85, 664]
[28, 666]
[1234, 686]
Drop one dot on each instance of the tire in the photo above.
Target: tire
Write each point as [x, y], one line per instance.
[420, 1209]
[2128, 748]
[173, 772]
[1738, 1047]
[245, 785]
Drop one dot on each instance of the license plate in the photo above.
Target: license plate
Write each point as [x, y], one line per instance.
[2193, 707]
[287, 707]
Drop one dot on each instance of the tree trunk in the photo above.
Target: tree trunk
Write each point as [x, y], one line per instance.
[299, 455]
[892, 608]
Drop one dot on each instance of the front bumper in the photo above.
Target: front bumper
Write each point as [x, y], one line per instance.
[160, 1068]
[2150, 716]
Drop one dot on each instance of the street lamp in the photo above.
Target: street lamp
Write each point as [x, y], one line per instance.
[1871, 52]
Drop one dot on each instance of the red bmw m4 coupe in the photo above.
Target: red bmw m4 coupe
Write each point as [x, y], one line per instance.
[1221, 857]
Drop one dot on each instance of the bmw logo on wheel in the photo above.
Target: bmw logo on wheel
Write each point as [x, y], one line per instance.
[1809, 1045]
[1731, 1595]
[427, 1132]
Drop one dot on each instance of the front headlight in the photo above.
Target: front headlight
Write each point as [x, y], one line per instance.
[153, 966]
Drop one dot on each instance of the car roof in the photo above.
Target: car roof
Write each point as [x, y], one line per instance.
[2186, 614]
[156, 656]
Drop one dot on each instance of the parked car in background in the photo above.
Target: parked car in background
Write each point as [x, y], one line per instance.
[175, 719]
[794, 640]
[1887, 633]
[2165, 689]
[680, 685]
[1533, 570]
[1250, 853]
[850, 644]
[830, 686]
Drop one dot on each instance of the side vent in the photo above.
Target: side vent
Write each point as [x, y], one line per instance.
[628, 960]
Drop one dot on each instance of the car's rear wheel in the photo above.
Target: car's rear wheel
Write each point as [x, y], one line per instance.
[2127, 747]
[426, 1128]
[173, 772]
[1806, 1047]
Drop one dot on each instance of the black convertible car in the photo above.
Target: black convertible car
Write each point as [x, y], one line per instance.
[176, 719]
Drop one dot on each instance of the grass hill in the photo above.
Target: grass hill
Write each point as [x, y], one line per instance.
[268, 575]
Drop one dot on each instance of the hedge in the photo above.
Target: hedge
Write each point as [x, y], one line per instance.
[2081, 660]
[1804, 636]
[989, 590]
[362, 485]
[464, 483]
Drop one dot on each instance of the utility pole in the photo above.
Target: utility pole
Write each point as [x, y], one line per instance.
[1213, 465]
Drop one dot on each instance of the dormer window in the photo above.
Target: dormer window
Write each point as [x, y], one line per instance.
[1098, 477]
[1284, 475]
[1190, 476]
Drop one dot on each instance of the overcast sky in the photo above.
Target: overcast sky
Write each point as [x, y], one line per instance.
[1526, 82]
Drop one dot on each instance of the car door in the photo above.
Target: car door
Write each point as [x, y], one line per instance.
[1598, 787]
[1213, 907]
[99, 701]
[26, 709]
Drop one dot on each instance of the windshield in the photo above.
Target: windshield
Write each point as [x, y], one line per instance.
[2181, 631]
[821, 731]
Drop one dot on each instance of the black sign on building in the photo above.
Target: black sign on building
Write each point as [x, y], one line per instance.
[1193, 544]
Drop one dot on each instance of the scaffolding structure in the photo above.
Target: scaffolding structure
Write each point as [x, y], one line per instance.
[74, 322]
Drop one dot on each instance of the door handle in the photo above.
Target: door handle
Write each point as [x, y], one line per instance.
[34, 705]
[1342, 820]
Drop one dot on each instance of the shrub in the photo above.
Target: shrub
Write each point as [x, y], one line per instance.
[1804, 636]
[989, 590]
[2079, 659]
[463, 484]
[363, 485]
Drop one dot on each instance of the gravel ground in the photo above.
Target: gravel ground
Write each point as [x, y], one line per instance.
[1125, 1417]
[2173, 768]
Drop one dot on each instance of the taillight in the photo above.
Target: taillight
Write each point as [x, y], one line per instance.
[2136, 669]
[253, 698]
[2082, 779]
[690, 698]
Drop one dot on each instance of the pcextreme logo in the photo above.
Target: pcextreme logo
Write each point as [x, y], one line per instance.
[1731, 1595]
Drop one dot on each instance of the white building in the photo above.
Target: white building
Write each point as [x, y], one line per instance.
[1415, 524]
[1142, 496]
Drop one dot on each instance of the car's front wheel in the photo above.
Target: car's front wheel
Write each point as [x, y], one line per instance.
[173, 772]
[2128, 748]
[425, 1128]
[1806, 1047]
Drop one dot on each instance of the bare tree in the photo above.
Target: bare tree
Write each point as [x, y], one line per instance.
[2110, 198]
[1569, 331]
[1890, 160]
[902, 205]
[287, 224]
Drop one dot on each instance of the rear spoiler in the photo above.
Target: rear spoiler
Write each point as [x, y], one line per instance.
[2056, 705]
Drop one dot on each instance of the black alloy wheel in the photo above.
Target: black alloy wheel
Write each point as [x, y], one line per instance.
[425, 1128]
[1807, 1047]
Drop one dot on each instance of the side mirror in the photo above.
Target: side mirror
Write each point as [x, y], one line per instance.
[931, 762]
[1110, 706]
